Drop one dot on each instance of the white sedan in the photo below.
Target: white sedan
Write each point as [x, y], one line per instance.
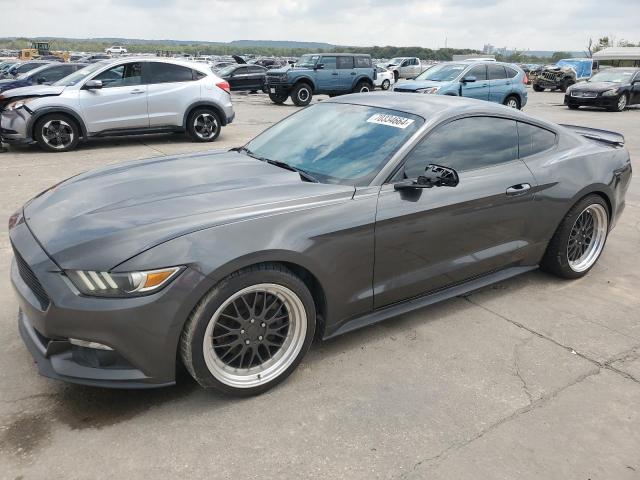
[385, 78]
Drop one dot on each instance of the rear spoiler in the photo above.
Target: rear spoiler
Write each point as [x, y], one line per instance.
[604, 136]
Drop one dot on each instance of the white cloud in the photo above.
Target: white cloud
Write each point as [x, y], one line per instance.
[539, 25]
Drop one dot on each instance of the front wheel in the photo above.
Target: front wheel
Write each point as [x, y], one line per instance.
[301, 95]
[203, 125]
[250, 331]
[621, 104]
[278, 98]
[56, 132]
[579, 240]
[386, 84]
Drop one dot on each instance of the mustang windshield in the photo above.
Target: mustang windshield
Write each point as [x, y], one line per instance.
[443, 73]
[337, 143]
[617, 76]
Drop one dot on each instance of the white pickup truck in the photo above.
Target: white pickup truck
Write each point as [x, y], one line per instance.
[115, 49]
[404, 67]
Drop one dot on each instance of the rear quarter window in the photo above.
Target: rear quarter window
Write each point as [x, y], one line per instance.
[532, 139]
[345, 62]
[363, 62]
[511, 73]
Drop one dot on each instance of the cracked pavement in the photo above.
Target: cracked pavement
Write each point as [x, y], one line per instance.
[531, 378]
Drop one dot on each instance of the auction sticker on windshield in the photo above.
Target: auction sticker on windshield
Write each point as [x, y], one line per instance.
[390, 120]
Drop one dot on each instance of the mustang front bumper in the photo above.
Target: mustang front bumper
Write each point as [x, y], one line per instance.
[143, 332]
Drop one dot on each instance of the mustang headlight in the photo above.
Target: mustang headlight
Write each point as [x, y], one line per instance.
[428, 90]
[129, 284]
[610, 93]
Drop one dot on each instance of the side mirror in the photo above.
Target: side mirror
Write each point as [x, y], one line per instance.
[434, 176]
[41, 80]
[469, 79]
[93, 85]
[319, 66]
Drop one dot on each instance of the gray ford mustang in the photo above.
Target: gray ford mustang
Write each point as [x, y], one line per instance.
[345, 214]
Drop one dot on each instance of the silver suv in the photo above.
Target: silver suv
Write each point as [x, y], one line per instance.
[119, 97]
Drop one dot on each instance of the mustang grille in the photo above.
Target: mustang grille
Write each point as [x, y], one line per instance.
[31, 280]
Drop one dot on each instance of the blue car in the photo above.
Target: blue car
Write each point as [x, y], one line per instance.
[492, 81]
[44, 74]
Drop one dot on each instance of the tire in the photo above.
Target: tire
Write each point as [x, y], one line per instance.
[56, 132]
[621, 103]
[386, 84]
[565, 85]
[563, 256]
[573, 107]
[203, 125]
[396, 76]
[362, 87]
[278, 99]
[231, 367]
[302, 94]
[512, 101]
[537, 88]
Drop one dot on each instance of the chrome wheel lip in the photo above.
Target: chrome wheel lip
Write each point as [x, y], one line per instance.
[600, 230]
[208, 128]
[47, 132]
[282, 359]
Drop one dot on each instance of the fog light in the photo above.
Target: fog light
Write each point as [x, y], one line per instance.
[86, 344]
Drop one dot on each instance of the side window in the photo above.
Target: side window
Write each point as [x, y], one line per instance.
[534, 140]
[511, 73]
[329, 63]
[405, 63]
[56, 73]
[197, 75]
[479, 71]
[363, 62]
[169, 73]
[465, 144]
[496, 72]
[414, 61]
[345, 62]
[124, 75]
[255, 69]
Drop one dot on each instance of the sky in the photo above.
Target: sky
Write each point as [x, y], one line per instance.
[522, 24]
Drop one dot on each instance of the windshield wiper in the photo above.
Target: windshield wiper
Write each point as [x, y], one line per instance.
[305, 175]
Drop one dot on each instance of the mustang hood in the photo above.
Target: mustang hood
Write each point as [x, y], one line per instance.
[99, 219]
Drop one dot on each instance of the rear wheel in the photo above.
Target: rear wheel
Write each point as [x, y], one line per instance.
[512, 101]
[203, 125]
[302, 94]
[56, 132]
[250, 332]
[362, 87]
[579, 240]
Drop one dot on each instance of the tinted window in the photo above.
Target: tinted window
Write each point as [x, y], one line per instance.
[27, 67]
[466, 144]
[534, 139]
[511, 73]
[121, 75]
[198, 75]
[345, 62]
[496, 72]
[256, 69]
[329, 63]
[337, 143]
[363, 62]
[56, 73]
[479, 71]
[169, 73]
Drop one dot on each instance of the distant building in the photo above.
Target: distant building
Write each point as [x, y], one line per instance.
[619, 56]
[471, 56]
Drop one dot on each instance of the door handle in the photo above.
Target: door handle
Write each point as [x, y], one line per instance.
[136, 92]
[336, 74]
[519, 189]
[353, 73]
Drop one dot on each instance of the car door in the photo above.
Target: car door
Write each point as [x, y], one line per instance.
[415, 67]
[499, 83]
[121, 103]
[327, 77]
[172, 89]
[478, 89]
[346, 73]
[239, 79]
[255, 78]
[428, 239]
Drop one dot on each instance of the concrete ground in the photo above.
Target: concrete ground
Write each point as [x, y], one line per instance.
[533, 378]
